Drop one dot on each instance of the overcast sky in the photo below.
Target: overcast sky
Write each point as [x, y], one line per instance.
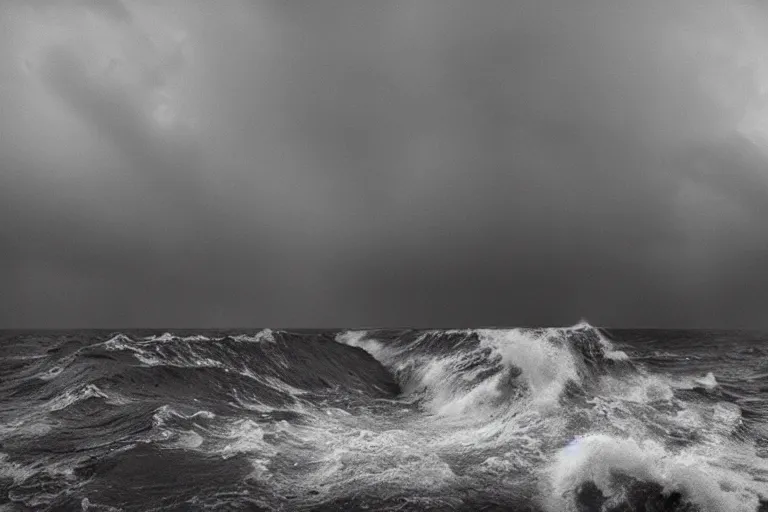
[415, 162]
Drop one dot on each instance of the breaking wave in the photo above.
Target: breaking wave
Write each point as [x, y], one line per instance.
[554, 420]
[492, 369]
[628, 439]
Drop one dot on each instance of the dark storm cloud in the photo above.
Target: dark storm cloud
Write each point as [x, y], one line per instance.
[348, 163]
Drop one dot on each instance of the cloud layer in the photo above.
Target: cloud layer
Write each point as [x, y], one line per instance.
[429, 162]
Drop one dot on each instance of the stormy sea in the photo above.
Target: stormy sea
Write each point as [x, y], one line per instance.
[551, 420]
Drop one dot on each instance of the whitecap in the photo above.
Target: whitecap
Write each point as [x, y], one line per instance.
[598, 458]
[265, 335]
[167, 336]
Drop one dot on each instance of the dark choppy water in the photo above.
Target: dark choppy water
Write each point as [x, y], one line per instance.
[551, 420]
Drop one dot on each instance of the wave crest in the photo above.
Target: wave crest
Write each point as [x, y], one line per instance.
[454, 372]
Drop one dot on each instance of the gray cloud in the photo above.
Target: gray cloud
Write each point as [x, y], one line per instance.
[348, 163]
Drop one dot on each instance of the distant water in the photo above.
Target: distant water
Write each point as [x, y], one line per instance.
[551, 420]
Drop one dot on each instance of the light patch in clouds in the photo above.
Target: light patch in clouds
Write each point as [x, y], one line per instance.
[136, 58]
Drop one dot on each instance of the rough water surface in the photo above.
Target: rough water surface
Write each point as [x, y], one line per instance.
[548, 420]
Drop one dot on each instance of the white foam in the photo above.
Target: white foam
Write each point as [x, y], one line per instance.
[164, 413]
[251, 406]
[598, 458]
[119, 342]
[245, 436]
[360, 339]
[187, 440]
[50, 374]
[265, 335]
[545, 366]
[616, 355]
[356, 458]
[167, 336]
[184, 439]
[640, 388]
[280, 385]
[150, 357]
[470, 412]
[196, 337]
[726, 417]
[73, 396]
[86, 505]
[708, 382]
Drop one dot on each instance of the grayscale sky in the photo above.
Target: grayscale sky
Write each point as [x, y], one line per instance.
[368, 162]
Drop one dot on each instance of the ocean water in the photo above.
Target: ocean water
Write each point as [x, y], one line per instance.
[547, 420]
